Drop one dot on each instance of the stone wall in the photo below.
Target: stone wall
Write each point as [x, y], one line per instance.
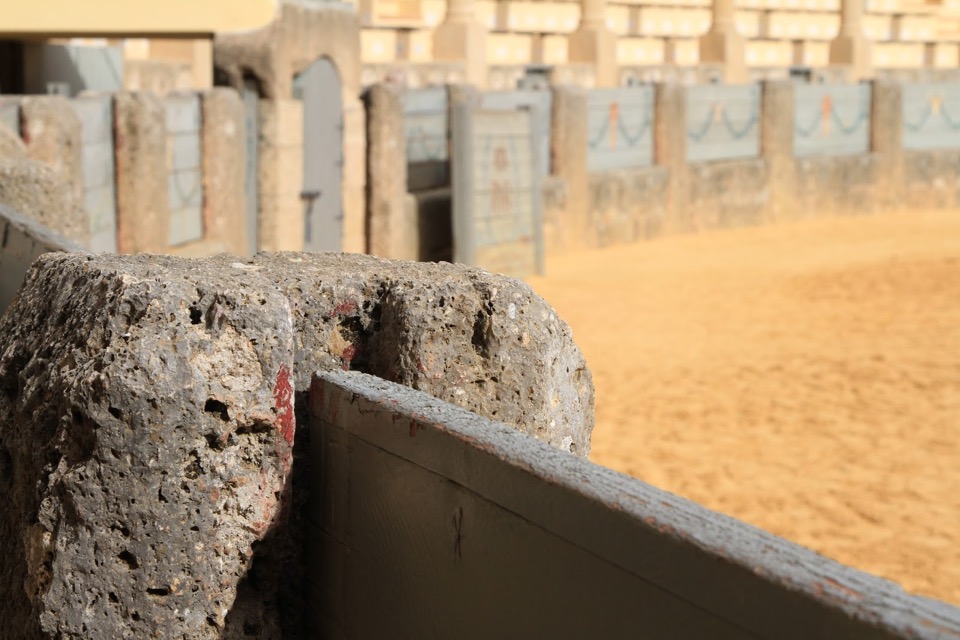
[675, 196]
[271, 57]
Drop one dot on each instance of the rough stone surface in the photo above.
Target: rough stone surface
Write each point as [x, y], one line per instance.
[146, 428]
[145, 423]
[11, 146]
[40, 193]
[51, 131]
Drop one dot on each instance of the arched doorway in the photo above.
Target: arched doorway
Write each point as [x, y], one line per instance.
[319, 89]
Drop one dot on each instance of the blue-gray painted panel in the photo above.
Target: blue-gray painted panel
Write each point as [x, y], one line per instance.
[425, 123]
[831, 120]
[10, 114]
[99, 184]
[723, 122]
[931, 116]
[184, 156]
[513, 100]
[496, 191]
[620, 128]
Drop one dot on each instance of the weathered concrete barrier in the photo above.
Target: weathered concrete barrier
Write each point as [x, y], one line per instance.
[41, 193]
[148, 457]
[22, 241]
[452, 525]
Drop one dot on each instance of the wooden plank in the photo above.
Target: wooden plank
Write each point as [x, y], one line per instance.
[449, 521]
[96, 117]
[183, 113]
[518, 99]
[620, 128]
[723, 122]
[496, 191]
[931, 116]
[99, 181]
[10, 114]
[831, 120]
[184, 163]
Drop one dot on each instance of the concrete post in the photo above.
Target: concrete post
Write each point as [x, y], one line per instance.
[143, 207]
[391, 232]
[592, 43]
[568, 151]
[224, 163]
[51, 131]
[776, 147]
[850, 48]
[354, 175]
[281, 222]
[670, 151]
[460, 37]
[723, 45]
[886, 141]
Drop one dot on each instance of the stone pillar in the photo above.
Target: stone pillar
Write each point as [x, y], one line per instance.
[143, 207]
[723, 45]
[281, 223]
[51, 131]
[461, 38]
[592, 43]
[670, 151]
[886, 143]
[568, 227]
[354, 175]
[776, 147]
[391, 231]
[850, 48]
[223, 141]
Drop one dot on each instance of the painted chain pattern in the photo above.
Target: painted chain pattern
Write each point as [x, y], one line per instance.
[735, 132]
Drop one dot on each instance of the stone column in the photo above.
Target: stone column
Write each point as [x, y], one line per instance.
[391, 233]
[143, 207]
[723, 45]
[886, 143]
[592, 43]
[223, 138]
[776, 142]
[850, 48]
[568, 227]
[280, 227]
[461, 38]
[670, 151]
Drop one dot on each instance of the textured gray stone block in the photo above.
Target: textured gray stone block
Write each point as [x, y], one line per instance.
[147, 422]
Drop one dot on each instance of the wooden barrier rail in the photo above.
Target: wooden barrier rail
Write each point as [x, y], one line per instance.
[432, 522]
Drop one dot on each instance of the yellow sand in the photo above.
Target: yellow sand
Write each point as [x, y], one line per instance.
[804, 378]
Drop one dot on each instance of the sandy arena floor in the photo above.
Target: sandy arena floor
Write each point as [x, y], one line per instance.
[804, 378]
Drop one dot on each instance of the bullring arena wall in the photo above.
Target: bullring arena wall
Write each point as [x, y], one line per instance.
[203, 172]
[637, 162]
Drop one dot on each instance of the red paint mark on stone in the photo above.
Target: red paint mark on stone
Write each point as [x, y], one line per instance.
[349, 352]
[414, 427]
[283, 401]
[420, 366]
[345, 308]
